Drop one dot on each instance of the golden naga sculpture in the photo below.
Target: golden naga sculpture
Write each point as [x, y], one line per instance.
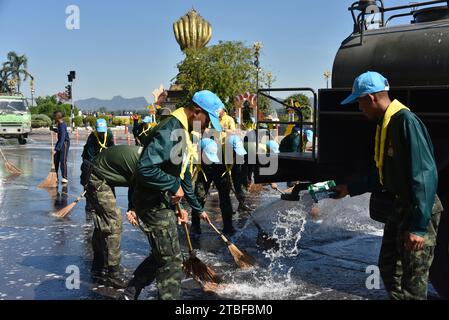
[192, 31]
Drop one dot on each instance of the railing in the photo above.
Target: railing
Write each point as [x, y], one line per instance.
[301, 122]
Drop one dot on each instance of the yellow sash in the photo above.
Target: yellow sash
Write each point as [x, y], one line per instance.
[102, 145]
[145, 130]
[381, 136]
[190, 152]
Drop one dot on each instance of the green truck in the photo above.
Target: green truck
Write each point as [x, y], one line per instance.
[15, 118]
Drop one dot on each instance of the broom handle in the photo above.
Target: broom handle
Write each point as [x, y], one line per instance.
[218, 231]
[52, 151]
[3, 155]
[81, 196]
[186, 230]
[280, 191]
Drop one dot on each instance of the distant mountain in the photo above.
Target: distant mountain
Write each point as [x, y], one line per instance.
[117, 103]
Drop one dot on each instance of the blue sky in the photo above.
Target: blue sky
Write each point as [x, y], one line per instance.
[128, 47]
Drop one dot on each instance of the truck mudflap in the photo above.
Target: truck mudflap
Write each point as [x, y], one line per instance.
[439, 272]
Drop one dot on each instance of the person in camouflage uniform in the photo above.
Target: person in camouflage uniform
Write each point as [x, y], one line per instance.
[406, 171]
[211, 170]
[114, 167]
[162, 182]
[99, 140]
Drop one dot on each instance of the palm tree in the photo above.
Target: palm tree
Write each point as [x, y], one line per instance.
[17, 68]
[4, 81]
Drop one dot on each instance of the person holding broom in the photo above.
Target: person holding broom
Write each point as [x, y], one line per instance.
[113, 167]
[213, 170]
[99, 140]
[163, 178]
[62, 146]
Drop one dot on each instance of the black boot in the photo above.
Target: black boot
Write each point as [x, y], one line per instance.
[115, 278]
[228, 229]
[98, 274]
[195, 228]
[132, 291]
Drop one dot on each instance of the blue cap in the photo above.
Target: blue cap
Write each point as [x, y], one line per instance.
[237, 144]
[101, 126]
[210, 148]
[273, 146]
[147, 119]
[309, 135]
[211, 103]
[367, 83]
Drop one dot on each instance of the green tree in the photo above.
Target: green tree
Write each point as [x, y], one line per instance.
[304, 105]
[226, 69]
[49, 104]
[16, 67]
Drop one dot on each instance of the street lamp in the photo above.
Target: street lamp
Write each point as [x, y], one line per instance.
[327, 75]
[257, 48]
[32, 91]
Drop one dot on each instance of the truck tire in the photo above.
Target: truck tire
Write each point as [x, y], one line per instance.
[439, 272]
[22, 140]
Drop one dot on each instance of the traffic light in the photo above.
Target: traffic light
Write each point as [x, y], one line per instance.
[71, 76]
[68, 91]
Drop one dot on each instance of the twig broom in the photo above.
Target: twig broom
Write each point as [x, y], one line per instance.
[194, 267]
[242, 259]
[10, 167]
[67, 209]
[52, 178]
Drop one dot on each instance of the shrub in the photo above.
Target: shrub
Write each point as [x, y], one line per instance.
[40, 120]
[120, 121]
[90, 121]
[78, 121]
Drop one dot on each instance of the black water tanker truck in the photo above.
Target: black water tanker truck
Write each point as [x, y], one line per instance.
[414, 57]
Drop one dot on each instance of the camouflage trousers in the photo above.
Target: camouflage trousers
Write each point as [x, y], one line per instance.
[108, 225]
[405, 273]
[165, 261]
[218, 175]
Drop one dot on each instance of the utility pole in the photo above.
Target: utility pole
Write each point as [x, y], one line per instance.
[257, 47]
[71, 76]
[32, 91]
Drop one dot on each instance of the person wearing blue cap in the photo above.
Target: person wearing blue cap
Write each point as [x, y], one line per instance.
[405, 175]
[100, 139]
[164, 177]
[235, 144]
[213, 170]
[143, 131]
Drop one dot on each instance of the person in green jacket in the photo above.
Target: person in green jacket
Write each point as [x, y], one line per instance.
[163, 179]
[143, 132]
[99, 140]
[212, 170]
[406, 170]
[292, 142]
[114, 167]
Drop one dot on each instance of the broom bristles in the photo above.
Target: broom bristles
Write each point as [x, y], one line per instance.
[66, 210]
[51, 181]
[199, 271]
[12, 168]
[243, 260]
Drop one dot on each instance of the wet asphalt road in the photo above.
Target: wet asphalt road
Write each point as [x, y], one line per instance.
[323, 258]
